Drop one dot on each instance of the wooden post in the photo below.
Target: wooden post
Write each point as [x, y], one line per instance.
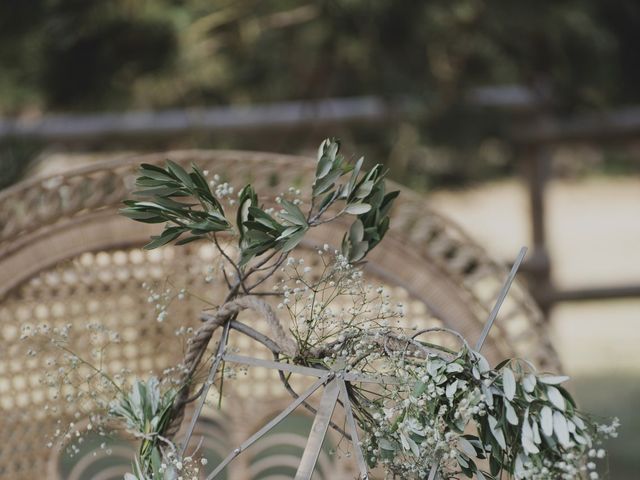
[537, 165]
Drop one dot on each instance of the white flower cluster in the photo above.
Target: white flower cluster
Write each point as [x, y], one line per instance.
[294, 197]
[162, 299]
[222, 190]
[176, 468]
[75, 386]
[333, 313]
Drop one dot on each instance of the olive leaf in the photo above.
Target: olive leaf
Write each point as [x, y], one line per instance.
[372, 211]
[162, 189]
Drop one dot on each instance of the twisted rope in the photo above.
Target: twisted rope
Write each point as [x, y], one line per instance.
[198, 346]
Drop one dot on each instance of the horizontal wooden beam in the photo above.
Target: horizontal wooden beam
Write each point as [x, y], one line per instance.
[226, 119]
[596, 293]
[607, 126]
[143, 124]
[612, 125]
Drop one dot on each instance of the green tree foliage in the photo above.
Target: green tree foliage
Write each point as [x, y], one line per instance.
[66, 55]
[70, 54]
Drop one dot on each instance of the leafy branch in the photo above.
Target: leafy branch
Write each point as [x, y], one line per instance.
[184, 202]
[163, 187]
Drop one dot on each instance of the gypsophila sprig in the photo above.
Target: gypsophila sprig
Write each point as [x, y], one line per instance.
[330, 309]
[78, 388]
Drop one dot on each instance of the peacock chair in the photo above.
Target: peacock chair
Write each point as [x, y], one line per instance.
[68, 258]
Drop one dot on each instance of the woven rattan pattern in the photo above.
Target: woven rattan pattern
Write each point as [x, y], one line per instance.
[66, 257]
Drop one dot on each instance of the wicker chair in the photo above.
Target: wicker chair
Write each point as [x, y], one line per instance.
[66, 257]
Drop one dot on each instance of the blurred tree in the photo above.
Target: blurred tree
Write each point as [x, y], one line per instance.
[74, 54]
[15, 159]
[113, 53]
[125, 54]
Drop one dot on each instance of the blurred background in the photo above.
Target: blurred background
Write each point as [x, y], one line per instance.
[519, 120]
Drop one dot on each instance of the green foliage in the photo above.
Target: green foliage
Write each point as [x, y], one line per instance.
[363, 196]
[161, 186]
[184, 202]
[71, 54]
[519, 422]
[16, 157]
[146, 412]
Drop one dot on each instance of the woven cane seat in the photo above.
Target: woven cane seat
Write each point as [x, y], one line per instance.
[66, 257]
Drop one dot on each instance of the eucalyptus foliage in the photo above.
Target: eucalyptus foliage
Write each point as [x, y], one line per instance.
[465, 418]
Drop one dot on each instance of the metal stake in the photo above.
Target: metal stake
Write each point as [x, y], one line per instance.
[492, 318]
[275, 421]
[224, 338]
[501, 297]
[318, 431]
[346, 403]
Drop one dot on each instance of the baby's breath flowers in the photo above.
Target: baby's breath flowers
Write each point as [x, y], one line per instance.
[78, 388]
[331, 305]
[163, 299]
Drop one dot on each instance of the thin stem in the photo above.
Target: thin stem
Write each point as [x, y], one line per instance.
[317, 220]
[91, 366]
[314, 221]
[267, 294]
[191, 294]
[241, 278]
[207, 385]
[226, 279]
[268, 274]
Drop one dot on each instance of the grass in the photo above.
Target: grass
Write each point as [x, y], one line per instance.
[615, 396]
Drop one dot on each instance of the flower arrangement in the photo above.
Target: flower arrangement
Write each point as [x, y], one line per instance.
[443, 412]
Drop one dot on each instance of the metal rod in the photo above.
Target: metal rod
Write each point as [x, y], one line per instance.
[314, 372]
[275, 421]
[207, 385]
[501, 298]
[286, 367]
[318, 431]
[346, 403]
[433, 472]
[255, 335]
